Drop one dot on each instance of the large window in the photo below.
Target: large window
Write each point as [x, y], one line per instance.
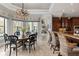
[29, 26]
[17, 25]
[1, 26]
[32, 26]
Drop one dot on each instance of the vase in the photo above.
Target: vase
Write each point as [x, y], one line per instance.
[23, 35]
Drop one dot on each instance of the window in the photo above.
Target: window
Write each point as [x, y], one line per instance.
[17, 25]
[35, 25]
[5, 22]
[32, 26]
[1, 26]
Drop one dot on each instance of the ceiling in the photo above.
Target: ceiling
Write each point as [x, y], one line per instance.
[34, 9]
[55, 9]
[65, 9]
[33, 5]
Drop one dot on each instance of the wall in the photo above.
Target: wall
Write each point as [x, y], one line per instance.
[9, 26]
[48, 21]
[47, 18]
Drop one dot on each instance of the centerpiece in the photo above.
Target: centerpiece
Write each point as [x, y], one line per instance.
[23, 32]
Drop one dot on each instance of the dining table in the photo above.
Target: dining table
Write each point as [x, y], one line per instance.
[22, 41]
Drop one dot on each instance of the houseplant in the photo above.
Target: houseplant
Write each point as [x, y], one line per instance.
[23, 32]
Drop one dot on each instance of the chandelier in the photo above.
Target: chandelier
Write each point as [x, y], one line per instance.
[22, 13]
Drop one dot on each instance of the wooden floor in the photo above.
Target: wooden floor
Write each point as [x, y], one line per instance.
[42, 49]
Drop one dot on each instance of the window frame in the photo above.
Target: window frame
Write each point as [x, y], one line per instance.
[15, 26]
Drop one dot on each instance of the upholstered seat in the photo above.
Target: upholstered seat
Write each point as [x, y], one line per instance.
[53, 42]
[65, 47]
[63, 44]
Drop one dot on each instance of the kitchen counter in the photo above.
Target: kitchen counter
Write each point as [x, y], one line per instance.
[70, 35]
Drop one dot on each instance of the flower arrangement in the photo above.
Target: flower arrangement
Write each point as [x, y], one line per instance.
[23, 30]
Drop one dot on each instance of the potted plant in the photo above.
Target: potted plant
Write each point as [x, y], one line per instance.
[23, 32]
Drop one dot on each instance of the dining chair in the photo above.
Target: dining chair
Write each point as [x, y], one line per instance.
[65, 49]
[7, 41]
[57, 43]
[32, 41]
[28, 33]
[63, 45]
[53, 42]
[13, 43]
[35, 37]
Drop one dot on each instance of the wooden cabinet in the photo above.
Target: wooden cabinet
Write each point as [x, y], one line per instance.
[75, 21]
[56, 24]
[63, 22]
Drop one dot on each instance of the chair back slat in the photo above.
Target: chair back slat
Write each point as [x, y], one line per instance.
[6, 37]
[13, 39]
[51, 38]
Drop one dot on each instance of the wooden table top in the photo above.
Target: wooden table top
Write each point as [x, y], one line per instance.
[72, 36]
[69, 35]
[22, 41]
[71, 45]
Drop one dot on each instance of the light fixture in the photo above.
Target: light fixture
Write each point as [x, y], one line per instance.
[22, 13]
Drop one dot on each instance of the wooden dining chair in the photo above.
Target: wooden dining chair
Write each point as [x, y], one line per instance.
[32, 41]
[13, 43]
[53, 42]
[63, 45]
[7, 41]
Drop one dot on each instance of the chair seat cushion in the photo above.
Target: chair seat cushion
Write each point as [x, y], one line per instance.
[7, 41]
[13, 45]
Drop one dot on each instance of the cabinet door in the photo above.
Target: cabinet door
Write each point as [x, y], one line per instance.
[56, 24]
[64, 20]
[75, 20]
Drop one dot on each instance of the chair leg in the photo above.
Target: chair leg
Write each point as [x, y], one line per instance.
[10, 51]
[29, 48]
[16, 49]
[53, 51]
[59, 54]
[34, 45]
[54, 48]
[5, 47]
[51, 47]
[26, 47]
